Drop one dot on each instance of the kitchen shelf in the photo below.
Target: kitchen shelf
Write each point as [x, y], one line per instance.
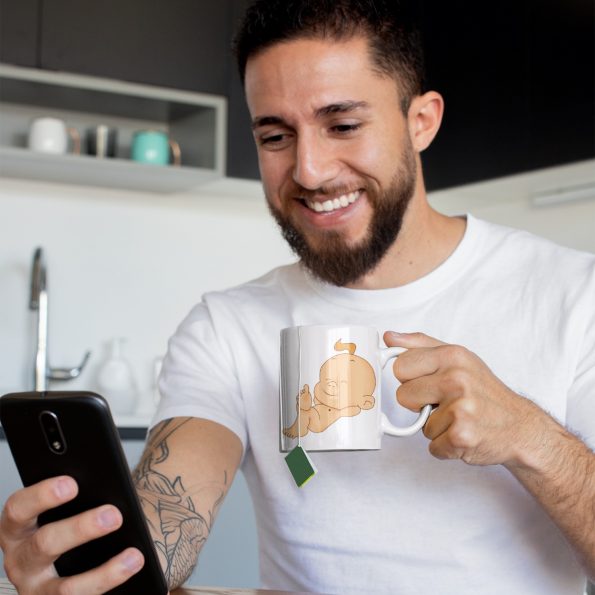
[107, 173]
[196, 121]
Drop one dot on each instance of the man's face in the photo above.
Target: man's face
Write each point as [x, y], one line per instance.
[336, 159]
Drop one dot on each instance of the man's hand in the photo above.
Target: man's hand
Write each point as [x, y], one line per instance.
[477, 419]
[481, 421]
[30, 551]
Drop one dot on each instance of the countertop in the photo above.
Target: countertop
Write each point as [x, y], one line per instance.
[7, 589]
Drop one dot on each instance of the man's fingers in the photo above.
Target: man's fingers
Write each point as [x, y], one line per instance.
[103, 578]
[438, 423]
[420, 359]
[443, 448]
[53, 539]
[416, 393]
[410, 340]
[19, 516]
[450, 361]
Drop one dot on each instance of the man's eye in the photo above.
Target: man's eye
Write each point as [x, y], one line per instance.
[273, 139]
[345, 128]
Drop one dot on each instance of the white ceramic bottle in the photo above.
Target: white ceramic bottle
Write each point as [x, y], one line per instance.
[115, 380]
[148, 398]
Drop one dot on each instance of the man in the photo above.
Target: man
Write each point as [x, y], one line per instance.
[340, 118]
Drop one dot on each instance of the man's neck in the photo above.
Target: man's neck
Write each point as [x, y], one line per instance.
[427, 238]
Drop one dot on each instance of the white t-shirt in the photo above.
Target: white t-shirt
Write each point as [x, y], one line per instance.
[398, 520]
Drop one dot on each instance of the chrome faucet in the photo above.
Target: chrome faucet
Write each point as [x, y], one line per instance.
[39, 303]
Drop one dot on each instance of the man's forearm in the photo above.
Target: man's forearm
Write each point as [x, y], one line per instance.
[560, 474]
[177, 525]
[178, 534]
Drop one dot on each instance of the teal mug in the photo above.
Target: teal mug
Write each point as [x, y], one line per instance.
[153, 147]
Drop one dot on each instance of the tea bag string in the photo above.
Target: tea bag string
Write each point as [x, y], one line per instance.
[299, 408]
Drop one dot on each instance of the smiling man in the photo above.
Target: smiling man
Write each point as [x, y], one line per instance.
[340, 162]
[499, 328]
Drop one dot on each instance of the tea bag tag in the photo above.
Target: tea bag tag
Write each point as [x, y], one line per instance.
[300, 465]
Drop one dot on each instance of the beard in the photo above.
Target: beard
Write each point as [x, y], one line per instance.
[333, 260]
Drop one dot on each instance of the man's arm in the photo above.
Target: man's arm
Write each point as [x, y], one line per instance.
[184, 473]
[482, 422]
[559, 471]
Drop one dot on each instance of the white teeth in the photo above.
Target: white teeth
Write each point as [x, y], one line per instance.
[334, 204]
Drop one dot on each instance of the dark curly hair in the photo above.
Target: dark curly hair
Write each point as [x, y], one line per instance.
[395, 43]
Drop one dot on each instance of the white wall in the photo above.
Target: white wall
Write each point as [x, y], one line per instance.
[120, 264]
[508, 201]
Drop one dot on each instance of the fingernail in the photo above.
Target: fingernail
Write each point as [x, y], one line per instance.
[108, 518]
[64, 487]
[395, 335]
[133, 561]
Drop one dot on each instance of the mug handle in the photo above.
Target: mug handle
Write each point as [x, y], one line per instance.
[176, 152]
[387, 354]
[76, 140]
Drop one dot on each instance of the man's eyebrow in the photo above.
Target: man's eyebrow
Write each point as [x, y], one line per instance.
[266, 121]
[341, 107]
[333, 108]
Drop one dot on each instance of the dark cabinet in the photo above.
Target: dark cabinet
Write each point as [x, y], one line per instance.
[518, 78]
[19, 32]
[519, 86]
[171, 43]
[185, 44]
[475, 59]
[518, 81]
[561, 54]
[242, 160]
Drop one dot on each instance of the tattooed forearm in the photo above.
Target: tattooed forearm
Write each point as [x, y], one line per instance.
[179, 525]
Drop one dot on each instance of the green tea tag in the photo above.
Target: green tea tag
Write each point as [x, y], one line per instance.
[300, 465]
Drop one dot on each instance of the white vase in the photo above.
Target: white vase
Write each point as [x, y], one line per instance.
[115, 381]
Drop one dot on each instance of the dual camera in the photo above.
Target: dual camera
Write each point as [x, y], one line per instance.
[52, 432]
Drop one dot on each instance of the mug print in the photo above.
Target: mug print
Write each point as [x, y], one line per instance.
[345, 388]
[330, 389]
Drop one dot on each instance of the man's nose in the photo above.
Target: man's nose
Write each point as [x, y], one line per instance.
[316, 165]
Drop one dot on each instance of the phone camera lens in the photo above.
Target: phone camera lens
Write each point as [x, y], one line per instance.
[52, 432]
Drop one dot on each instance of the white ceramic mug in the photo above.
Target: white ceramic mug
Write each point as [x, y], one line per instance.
[50, 135]
[330, 389]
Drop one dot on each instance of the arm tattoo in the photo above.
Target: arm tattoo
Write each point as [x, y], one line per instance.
[181, 530]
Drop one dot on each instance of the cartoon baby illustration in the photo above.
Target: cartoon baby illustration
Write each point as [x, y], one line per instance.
[345, 387]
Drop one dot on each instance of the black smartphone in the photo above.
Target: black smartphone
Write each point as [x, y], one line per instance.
[73, 433]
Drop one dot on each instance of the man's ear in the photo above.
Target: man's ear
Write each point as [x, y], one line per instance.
[424, 118]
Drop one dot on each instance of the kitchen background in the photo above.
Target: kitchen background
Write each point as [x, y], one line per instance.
[129, 251]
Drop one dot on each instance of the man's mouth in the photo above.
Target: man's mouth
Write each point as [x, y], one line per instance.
[333, 204]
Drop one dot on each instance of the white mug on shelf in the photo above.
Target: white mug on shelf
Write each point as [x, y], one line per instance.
[50, 135]
[330, 389]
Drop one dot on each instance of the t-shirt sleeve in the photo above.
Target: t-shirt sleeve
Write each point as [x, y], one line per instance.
[198, 377]
[581, 397]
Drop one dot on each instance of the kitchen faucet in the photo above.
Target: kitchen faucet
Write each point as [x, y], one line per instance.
[39, 303]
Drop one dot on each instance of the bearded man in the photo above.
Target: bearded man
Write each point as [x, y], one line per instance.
[499, 328]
